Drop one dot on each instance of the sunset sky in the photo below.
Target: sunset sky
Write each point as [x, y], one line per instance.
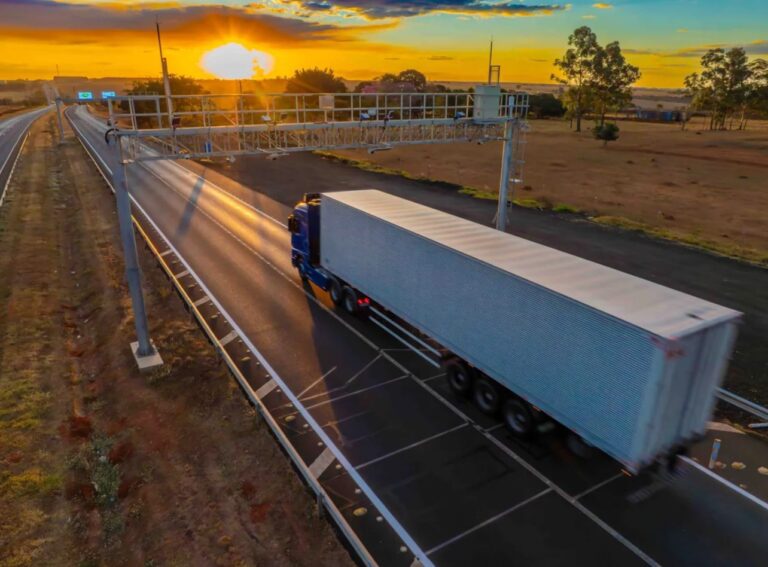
[447, 39]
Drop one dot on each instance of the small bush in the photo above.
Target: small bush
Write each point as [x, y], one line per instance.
[607, 132]
[564, 208]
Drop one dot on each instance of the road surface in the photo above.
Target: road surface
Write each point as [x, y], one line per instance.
[12, 134]
[413, 470]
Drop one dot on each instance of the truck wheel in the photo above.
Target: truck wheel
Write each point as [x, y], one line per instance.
[518, 418]
[579, 446]
[350, 301]
[486, 396]
[460, 378]
[336, 292]
[302, 271]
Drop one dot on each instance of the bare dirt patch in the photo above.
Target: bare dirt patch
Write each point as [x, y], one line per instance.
[102, 465]
[705, 188]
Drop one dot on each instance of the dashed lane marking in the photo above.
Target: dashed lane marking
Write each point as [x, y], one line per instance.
[231, 336]
[321, 463]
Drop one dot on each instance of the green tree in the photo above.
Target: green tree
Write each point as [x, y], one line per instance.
[315, 81]
[577, 69]
[722, 87]
[757, 90]
[545, 105]
[180, 86]
[613, 79]
[413, 77]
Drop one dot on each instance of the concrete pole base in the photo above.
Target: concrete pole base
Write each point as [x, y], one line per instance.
[146, 362]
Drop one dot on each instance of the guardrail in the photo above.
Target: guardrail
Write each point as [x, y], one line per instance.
[745, 405]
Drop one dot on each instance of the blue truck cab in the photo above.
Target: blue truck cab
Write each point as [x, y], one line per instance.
[304, 226]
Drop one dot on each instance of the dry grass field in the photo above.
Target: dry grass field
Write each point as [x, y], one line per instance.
[708, 189]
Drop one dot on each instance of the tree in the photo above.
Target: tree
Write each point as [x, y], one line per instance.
[577, 67]
[757, 89]
[315, 81]
[545, 105]
[722, 87]
[413, 77]
[607, 132]
[612, 79]
[180, 85]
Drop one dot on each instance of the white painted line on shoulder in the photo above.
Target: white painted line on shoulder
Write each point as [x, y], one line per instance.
[718, 426]
[169, 251]
[598, 485]
[181, 274]
[231, 336]
[411, 446]
[321, 463]
[202, 301]
[489, 521]
[749, 496]
[266, 389]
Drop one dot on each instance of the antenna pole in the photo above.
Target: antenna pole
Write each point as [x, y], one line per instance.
[166, 79]
[490, 64]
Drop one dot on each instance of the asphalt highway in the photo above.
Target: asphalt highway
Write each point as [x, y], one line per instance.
[12, 133]
[413, 470]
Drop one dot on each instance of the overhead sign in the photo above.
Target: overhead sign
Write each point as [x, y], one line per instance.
[108, 94]
[84, 95]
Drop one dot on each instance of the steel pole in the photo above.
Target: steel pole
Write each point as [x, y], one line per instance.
[506, 160]
[132, 271]
[61, 122]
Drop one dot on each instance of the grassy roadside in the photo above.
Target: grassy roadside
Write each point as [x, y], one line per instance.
[732, 251]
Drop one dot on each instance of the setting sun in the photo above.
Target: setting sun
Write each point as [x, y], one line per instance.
[234, 61]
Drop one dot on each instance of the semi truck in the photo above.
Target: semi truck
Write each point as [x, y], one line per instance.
[531, 334]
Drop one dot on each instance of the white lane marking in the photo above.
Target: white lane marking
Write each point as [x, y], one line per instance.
[412, 446]
[181, 274]
[300, 395]
[196, 177]
[202, 301]
[390, 332]
[608, 529]
[356, 477]
[599, 485]
[578, 505]
[13, 167]
[169, 251]
[490, 520]
[231, 336]
[321, 463]
[356, 392]
[345, 385]
[406, 332]
[262, 392]
[749, 496]
[718, 426]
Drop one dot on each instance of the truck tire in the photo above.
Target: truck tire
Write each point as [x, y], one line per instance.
[336, 291]
[302, 271]
[350, 301]
[487, 396]
[460, 377]
[518, 418]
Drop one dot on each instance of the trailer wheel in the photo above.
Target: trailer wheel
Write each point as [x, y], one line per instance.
[579, 446]
[460, 377]
[336, 292]
[350, 301]
[487, 396]
[518, 418]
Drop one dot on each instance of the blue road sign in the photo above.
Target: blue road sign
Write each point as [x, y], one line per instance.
[84, 95]
[108, 94]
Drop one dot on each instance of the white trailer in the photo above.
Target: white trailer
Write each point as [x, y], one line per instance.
[630, 366]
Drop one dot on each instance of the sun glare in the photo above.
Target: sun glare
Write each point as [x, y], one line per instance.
[233, 61]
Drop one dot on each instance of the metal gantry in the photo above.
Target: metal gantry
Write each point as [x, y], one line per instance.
[160, 127]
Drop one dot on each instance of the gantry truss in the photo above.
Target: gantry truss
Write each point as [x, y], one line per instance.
[207, 126]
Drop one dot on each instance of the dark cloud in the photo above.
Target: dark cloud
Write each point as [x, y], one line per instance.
[374, 9]
[88, 23]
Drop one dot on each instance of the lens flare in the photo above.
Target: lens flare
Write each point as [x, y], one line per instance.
[234, 61]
